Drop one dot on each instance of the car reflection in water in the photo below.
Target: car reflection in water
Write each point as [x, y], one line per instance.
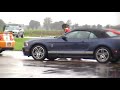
[84, 69]
[78, 68]
[108, 71]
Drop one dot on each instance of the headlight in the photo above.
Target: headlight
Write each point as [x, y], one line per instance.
[25, 43]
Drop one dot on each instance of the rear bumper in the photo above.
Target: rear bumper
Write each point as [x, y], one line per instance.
[7, 44]
[10, 48]
[116, 54]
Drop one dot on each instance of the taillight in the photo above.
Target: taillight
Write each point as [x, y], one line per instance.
[11, 37]
[1, 38]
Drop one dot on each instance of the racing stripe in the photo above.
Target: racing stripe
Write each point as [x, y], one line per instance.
[6, 37]
[71, 52]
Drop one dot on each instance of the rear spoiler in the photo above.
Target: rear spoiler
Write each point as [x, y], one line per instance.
[6, 33]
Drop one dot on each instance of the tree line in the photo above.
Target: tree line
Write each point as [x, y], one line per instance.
[49, 25]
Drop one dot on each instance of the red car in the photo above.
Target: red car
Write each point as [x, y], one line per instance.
[114, 31]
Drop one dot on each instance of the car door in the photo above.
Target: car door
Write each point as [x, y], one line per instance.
[76, 42]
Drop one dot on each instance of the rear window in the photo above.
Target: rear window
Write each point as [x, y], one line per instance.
[111, 34]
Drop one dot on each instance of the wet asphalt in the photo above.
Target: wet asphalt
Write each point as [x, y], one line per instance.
[13, 64]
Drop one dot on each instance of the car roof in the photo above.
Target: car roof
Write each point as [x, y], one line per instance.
[91, 30]
[98, 32]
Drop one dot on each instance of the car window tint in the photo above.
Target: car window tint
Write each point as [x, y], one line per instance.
[92, 35]
[111, 34]
[71, 35]
[78, 35]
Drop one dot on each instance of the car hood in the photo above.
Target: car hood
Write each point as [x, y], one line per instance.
[11, 30]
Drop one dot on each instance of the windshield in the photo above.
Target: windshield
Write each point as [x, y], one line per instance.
[12, 28]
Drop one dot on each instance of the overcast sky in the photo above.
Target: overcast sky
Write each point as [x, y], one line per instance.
[81, 18]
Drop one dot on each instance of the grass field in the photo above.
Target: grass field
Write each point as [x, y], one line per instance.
[19, 42]
[38, 33]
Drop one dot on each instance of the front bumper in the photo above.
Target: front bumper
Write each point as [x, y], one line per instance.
[26, 51]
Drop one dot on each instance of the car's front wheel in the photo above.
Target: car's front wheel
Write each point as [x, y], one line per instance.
[22, 36]
[17, 36]
[102, 55]
[38, 52]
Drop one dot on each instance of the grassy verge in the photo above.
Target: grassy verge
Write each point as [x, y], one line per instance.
[38, 33]
[19, 42]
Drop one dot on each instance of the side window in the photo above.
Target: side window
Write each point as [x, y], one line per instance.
[78, 35]
[72, 35]
[92, 35]
[84, 34]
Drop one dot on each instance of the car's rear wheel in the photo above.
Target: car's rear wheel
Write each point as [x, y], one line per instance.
[102, 55]
[38, 52]
[1, 51]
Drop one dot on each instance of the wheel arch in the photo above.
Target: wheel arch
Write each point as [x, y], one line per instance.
[41, 45]
[103, 46]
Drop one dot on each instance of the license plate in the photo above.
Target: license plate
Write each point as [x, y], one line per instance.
[9, 44]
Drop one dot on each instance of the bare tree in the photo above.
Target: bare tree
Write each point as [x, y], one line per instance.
[47, 23]
[57, 25]
[2, 24]
[34, 24]
[69, 22]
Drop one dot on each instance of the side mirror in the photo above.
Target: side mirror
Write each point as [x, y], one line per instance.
[64, 38]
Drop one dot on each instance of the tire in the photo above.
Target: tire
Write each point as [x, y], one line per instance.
[17, 36]
[103, 55]
[114, 60]
[1, 51]
[22, 36]
[38, 52]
